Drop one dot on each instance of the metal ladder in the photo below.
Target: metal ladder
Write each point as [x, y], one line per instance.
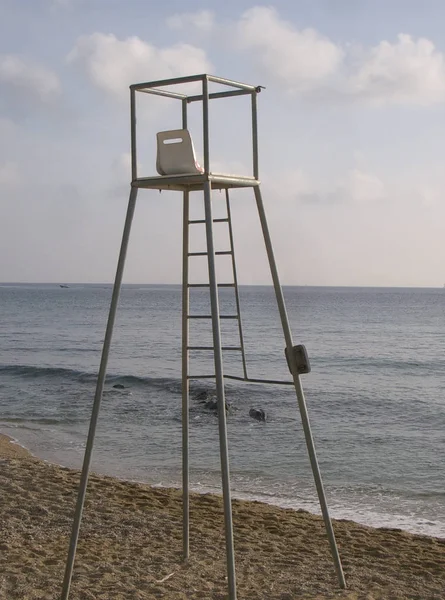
[237, 314]
[215, 318]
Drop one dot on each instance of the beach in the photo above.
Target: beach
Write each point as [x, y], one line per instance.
[131, 542]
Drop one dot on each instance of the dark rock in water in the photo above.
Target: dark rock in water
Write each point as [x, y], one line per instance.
[119, 386]
[209, 400]
[202, 396]
[258, 414]
[213, 404]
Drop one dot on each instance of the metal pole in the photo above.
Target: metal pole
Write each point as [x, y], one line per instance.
[98, 397]
[255, 135]
[184, 114]
[185, 366]
[235, 280]
[205, 124]
[185, 380]
[134, 159]
[217, 352]
[299, 391]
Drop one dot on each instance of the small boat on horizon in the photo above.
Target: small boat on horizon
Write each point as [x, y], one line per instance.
[65, 286]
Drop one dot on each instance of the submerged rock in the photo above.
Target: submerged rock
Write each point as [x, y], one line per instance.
[209, 400]
[258, 414]
[213, 404]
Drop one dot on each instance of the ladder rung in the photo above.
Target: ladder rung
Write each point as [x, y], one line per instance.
[195, 221]
[219, 253]
[210, 316]
[234, 348]
[203, 285]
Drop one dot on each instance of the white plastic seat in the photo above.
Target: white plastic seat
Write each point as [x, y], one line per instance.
[176, 154]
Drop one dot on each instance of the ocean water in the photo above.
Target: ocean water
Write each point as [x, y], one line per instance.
[376, 393]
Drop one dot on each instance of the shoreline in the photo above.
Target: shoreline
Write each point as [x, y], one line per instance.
[419, 526]
[130, 544]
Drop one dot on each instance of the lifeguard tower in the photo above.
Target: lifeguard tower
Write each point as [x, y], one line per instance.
[178, 169]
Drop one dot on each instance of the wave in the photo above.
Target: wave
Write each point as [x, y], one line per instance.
[36, 372]
[38, 420]
[428, 495]
[379, 364]
[31, 371]
[59, 375]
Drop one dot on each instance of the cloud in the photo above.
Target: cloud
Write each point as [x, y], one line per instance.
[297, 59]
[7, 128]
[361, 187]
[304, 62]
[203, 20]
[408, 71]
[24, 80]
[119, 184]
[355, 187]
[429, 195]
[64, 4]
[9, 174]
[112, 64]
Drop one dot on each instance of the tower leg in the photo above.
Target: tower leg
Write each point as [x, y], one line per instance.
[98, 397]
[299, 392]
[217, 351]
[185, 379]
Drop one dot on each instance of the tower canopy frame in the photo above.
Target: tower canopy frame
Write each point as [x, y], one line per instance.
[195, 182]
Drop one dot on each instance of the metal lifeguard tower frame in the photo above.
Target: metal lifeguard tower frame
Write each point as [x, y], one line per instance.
[183, 174]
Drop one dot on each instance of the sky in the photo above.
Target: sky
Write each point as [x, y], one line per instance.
[351, 134]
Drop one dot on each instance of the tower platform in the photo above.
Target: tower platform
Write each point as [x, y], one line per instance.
[195, 182]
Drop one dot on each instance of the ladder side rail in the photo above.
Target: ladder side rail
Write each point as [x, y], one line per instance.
[235, 280]
[185, 381]
[219, 373]
[185, 363]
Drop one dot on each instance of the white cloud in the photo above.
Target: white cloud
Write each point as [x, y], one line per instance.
[122, 166]
[356, 186]
[362, 187]
[406, 72]
[121, 175]
[112, 64]
[22, 78]
[55, 4]
[297, 59]
[203, 20]
[7, 128]
[9, 174]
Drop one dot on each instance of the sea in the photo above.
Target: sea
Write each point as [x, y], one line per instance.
[375, 393]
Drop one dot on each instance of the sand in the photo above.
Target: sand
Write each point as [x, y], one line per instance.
[130, 545]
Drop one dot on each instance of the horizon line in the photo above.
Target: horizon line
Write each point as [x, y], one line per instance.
[179, 284]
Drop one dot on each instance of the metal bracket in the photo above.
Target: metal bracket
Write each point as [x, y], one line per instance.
[300, 359]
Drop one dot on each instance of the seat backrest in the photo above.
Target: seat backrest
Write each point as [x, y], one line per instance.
[176, 155]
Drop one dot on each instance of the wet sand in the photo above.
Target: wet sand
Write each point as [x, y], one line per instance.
[130, 545]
